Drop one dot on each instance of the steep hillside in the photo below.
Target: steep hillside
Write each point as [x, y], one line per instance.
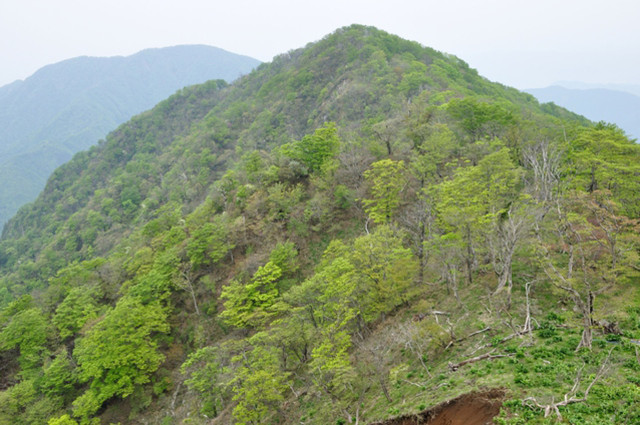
[68, 106]
[362, 229]
[597, 104]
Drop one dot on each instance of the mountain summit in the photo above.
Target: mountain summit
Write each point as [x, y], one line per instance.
[362, 230]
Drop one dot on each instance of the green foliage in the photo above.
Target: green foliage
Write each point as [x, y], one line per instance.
[477, 195]
[480, 119]
[258, 386]
[58, 376]
[249, 304]
[78, 307]
[387, 181]
[603, 158]
[27, 330]
[285, 256]
[384, 271]
[209, 378]
[119, 352]
[314, 151]
[209, 243]
[62, 420]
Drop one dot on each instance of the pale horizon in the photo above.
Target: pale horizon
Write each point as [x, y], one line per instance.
[516, 43]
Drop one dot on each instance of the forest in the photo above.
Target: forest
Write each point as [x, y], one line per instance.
[358, 230]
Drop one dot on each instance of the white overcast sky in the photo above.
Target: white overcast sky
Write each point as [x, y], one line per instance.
[522, 43]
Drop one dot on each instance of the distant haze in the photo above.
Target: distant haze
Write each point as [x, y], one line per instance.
[597, 104]
[68, 106]
[518, 43]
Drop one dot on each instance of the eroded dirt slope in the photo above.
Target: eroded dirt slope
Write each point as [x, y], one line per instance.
[477, 408]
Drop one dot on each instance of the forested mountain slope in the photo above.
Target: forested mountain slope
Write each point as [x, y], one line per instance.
[68, 106]
[362, 228]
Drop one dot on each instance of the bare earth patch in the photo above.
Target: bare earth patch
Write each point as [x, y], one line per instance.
[477, 408]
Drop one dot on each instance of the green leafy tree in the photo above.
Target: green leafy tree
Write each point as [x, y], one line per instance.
[481, 119]
[119, 352]
[471, 202]
[384, 271]
[58, 376]
[209, 377]
[209, 243]
[27, 330]
[22, 404]
[387, 181]
[316, 149]
[259, 385]
[603, 158]
[248, 304]
[76, 309]
[285, 256]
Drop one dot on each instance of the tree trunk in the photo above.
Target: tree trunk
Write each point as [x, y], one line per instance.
[469, 257]
[421, 254]
[385, 391]
[587, 323]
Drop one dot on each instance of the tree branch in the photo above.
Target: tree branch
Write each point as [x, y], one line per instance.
[488, 356]
[569, 397]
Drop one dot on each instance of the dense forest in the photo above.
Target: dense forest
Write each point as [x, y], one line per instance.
[361, 229]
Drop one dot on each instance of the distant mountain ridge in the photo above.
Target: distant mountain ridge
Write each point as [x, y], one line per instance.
[597, 104]
[629, 88]
[68, 106]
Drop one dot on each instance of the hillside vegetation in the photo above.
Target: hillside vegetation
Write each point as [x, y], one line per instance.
[358, 230]
[68, 106]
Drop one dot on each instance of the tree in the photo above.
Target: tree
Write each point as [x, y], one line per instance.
[387, 132]
[470, 205]
[315, 150]
[383, 271]
[480, 119]
[258, 384]
[119, 352]
[544, 161]
[589, 254]
[58, 376]
[510, 228]
[62, 420]
[603, 158]
[209, 243]
[435, 145]
[248, 304]
[387, 181]
[27, 330]
[78, 307]
[210, 377]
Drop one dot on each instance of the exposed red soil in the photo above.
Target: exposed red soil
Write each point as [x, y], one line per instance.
[477, 408]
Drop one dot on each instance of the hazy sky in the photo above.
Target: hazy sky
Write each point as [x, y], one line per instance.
[522, 43]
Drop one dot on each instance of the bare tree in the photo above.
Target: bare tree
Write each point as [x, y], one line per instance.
[186, 280]
[511, 228]
[583, 259]
[417, 340]
[543, 159]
